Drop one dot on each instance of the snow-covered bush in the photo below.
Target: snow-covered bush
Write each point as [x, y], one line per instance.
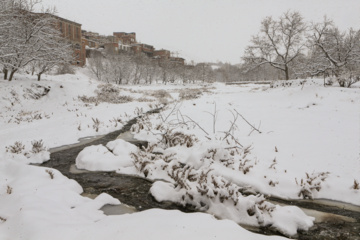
[142, 123]
[188, 94]
[202, 189]
[172, 138]
[38, 146]
[36, 91]
[348, 79]
[312, 182]
[108, 93]
[292, 83]
[29, 116]
[19, 152]
[160, 94]
[17, 148]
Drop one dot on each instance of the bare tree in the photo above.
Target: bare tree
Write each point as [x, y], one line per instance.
[138, 67]
[334, 52]
[278, 44]
[120, 68]
[55, 50]
[150, 71]
[96, 64]
[30, 37]
[204, 72]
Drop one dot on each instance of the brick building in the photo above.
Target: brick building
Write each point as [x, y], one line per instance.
[72, 32]
[125, 38]
[146, 49]
[161, 54]
[177, 60]
[90, 43]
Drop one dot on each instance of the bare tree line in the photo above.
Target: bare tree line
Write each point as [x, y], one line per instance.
[285, 48]
[300, 49]
[129, 68]
[30, 41]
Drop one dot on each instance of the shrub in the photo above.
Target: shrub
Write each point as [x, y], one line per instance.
[9, 189]
[161, 94]
[17, 148]
[188, 94]
[38, 146]
[356, 185]
[312, 182]
[36, 91]
[106, 93]
[172, 139]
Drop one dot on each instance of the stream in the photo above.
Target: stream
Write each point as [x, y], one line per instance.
[334, 220]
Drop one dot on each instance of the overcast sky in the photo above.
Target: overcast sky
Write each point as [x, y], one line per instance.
[199, 30]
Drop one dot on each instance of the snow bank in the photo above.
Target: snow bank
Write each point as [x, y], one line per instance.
[114, 156]
[37, 205]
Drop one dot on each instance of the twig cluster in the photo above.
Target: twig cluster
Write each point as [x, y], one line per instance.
[311, 183]
[9, 189]
[17, 148]
[96, 124]
[38, 146]
[356, 185]
[50, 172]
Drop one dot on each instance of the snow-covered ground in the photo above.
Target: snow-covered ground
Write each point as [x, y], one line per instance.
[306, 144]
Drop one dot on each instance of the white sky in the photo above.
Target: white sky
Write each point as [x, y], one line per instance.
[199, 30]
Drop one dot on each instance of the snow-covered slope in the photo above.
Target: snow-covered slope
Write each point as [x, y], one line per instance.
[309, 141]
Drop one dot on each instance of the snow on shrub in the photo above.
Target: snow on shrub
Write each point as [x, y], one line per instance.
[20, 152]
[188, 94]
[195, 184]
[296, 83]
[106, 93]
[311, 183]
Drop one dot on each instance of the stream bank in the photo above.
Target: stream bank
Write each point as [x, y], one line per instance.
[134, 191]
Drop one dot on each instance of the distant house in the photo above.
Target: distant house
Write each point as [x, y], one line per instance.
[146, 49]
[125, 38]
[161, 54]
[112, 47]
[72, 32]
[177, 60]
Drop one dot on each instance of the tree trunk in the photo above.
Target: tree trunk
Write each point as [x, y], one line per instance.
[286, 73]
[12, 74]
[39, 76]
[5, 71]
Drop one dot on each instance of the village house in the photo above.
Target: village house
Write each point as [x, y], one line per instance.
[177, 60]
[161, 54]
[125, 38]
[126, 42]
[72, 32]
[146, 49]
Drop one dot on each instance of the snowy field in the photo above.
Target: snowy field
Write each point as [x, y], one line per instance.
[215, 145]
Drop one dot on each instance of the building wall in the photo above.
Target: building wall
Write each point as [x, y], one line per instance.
[177, 60]
[72, 32]
[125, 38]
[162, 54]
